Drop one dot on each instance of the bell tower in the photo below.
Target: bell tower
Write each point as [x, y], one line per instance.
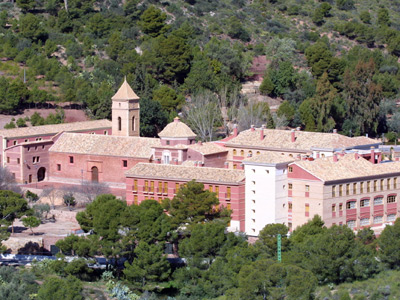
[125, 112]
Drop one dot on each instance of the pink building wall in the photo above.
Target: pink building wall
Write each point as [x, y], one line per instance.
[110, 168]
[138, 194]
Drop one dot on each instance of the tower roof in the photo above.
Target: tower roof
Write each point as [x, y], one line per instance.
[176, 129]
[125, 92]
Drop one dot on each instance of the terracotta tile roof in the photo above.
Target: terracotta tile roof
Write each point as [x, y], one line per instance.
[346, 167]
[281, 139]
[125, 92]
[270, 157]
[177, 129]
[201, 174]
[55, 128]
[96, 144]
[207, 148]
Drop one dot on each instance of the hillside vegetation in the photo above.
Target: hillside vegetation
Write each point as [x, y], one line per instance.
[334, 63]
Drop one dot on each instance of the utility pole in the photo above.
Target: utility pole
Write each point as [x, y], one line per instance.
[279, 244]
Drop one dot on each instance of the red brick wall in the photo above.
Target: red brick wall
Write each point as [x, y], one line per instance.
[237, 199]
[110, 167]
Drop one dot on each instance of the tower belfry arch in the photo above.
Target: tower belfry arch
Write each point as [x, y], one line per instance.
[125, 112]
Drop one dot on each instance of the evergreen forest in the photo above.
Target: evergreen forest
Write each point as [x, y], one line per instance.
[331, 64]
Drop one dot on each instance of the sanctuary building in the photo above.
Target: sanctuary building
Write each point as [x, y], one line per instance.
[264, 176]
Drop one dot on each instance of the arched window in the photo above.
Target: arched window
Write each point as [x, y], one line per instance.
[234, 151]
[241, 152]
[119, 123]
[95, 174]
[133, 124]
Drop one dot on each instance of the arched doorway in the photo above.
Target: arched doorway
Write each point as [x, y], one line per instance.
[41, 174]
[95, 174]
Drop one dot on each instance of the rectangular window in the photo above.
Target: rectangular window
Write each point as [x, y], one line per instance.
[307, 209]
[125, 163]
[395, 183]
[333, 191]
[210, 188]
[71, 159]
[290, 206]
[340, 207]
[351, 224]
[364, 203]
[18, 160]
[361, 187]
[228, 193]
[146, 186]
[15, 142]
[228, 206]
[58, 167]
[217, 190]
[307, 188]
[34, 159]
[391, 199]
[290, 186]
[364, 222]
[351, 205]
[165, 188]
[391, 217]
[378, 200]
[375, 185]
[290, 169]
[160, 187]
[333, 208]
[176, 188]
[368, 186]
[382, 181]
[340, 190]
[135, 199]
[354, 188]
[347, 189]
[378, 220]
[8, 159]
[388, 184]
[135, 185]
[151, 186]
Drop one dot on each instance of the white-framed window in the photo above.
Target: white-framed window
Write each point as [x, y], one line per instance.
[391, 199]
[364, 203]
[351, 224]
[391, 217]
[364, 221]
[378, 220]
[378, 200]
[351, 205]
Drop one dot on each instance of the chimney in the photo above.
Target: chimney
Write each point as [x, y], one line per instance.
[226, 165]
[293, 136]
[335, 158]
[334, 130]
[372, 155]
[317, 154]
[235, 130]
[176, 120]
[253, 128]
[356, 155]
